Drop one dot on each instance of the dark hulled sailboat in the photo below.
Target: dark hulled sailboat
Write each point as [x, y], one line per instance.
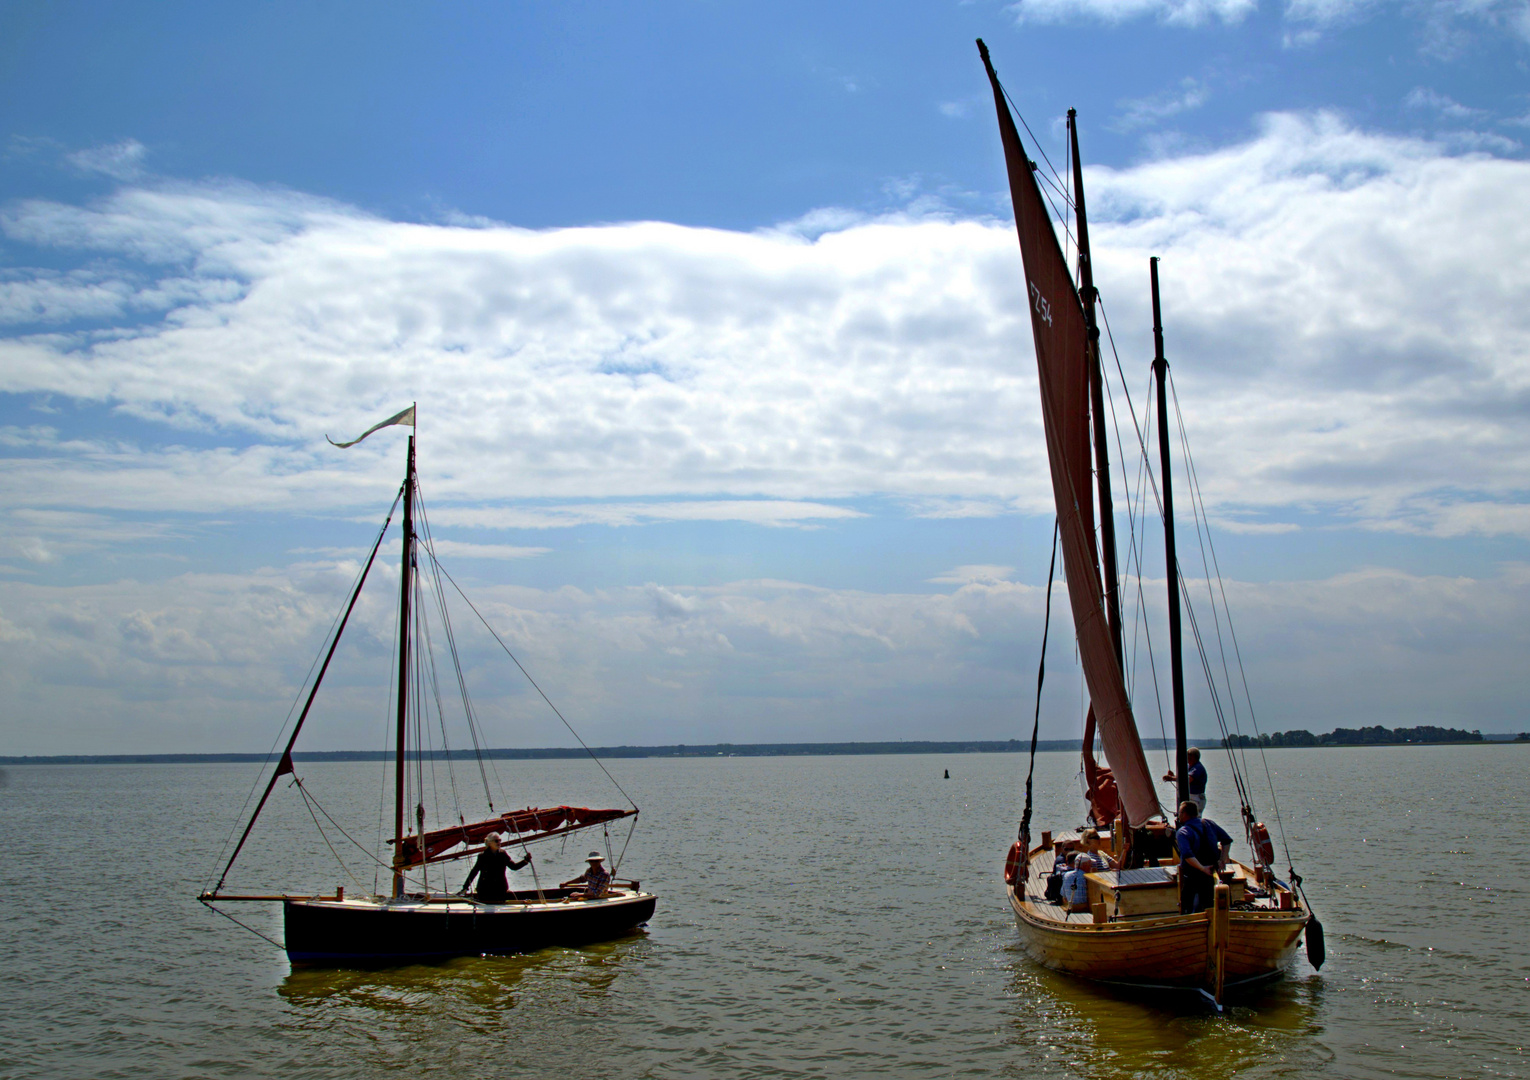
[413, 922]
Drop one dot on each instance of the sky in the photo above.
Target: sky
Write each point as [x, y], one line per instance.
[714, 315]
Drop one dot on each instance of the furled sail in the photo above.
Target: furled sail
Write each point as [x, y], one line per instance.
[1061, 337]
[521, 826]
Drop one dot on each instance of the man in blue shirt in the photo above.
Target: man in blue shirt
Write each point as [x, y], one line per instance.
[1203, 849]
[1195, 778]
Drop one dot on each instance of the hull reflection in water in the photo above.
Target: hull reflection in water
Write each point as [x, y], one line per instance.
[365, 931]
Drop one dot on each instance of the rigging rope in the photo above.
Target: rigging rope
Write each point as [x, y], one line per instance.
[309, 803]
[1041, 674]
[340, 616]
[529, 679]
[1237, 650]
[451, 644]
[264, 937]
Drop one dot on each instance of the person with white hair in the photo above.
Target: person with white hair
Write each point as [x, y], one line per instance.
[490, 871]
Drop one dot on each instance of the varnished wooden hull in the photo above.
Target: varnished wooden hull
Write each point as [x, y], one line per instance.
[1168, 950]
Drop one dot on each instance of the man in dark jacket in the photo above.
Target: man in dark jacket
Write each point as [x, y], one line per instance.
[1203, 848]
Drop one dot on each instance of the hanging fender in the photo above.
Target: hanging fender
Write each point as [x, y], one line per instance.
[1012, 863]
[1264, 851]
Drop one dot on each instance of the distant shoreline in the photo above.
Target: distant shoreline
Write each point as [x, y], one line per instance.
[675, 750]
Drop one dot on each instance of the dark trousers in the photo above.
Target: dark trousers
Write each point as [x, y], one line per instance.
[1196, 890]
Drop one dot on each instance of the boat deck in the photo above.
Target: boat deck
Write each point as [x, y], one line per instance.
[1031, 897]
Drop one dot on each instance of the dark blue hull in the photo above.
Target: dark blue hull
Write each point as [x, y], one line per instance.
[367, 932]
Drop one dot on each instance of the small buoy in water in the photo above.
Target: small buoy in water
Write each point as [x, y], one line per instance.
[947, 776]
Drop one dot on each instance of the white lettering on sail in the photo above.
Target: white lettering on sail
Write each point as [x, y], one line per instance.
[1039, 302]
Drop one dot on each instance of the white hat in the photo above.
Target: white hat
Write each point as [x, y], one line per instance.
[595, 856]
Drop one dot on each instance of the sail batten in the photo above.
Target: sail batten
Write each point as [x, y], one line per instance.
[1062, 362]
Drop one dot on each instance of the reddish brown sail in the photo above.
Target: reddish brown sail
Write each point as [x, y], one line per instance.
[523, 826]
[1061, 337]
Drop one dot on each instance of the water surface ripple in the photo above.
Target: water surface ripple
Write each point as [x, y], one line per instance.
[836, 917]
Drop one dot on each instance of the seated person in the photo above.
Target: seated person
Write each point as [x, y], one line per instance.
[1096, 860]
[1075, 890]
[490, 872]
[596, 879]
[1060, 860]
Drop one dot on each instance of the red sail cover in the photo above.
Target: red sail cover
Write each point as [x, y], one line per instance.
[521, 825]
[1062, 342]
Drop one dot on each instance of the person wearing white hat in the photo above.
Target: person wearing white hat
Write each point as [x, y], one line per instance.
[596, 879]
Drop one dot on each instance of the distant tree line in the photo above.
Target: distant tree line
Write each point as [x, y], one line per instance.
[1366, 736]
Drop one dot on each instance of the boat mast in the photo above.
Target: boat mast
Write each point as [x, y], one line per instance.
[403, 674]
[1171, 560]
[1088, 295]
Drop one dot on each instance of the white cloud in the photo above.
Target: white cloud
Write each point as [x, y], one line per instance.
[1145, 112]
[770, 512]
[1173, 12]
[1446, 26]
[213, 662]
[1343, 318]
[964, 575]
[1421, 97]
[121, 160]
[461, 549]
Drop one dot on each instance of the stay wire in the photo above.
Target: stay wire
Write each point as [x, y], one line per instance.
[388, 715]
[341, 830]
[1147, 475]
[435, 689]
[243, 925]
[533, 682]
[309, 804]
[1198, 514]
[282, 730]
[1054, 180]
[297, 698]
[1041, 675]
[1238, 654]
[451, 642]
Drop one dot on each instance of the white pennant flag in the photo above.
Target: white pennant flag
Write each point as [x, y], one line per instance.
[405, 418]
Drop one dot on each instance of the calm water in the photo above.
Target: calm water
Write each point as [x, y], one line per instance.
[818, 917]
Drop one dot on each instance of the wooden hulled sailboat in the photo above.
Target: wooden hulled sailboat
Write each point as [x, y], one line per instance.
[414, 921]
[1132, 930]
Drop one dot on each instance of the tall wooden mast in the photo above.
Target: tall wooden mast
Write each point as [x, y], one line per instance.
[1088, 295]
[406, 585]
[1171, 559]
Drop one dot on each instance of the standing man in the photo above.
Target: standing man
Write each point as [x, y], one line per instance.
[1203, 848]
[1195, 778]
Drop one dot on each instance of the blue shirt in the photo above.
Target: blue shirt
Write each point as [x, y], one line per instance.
[1199, 838]
[1195, 776]
[1075, 890]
